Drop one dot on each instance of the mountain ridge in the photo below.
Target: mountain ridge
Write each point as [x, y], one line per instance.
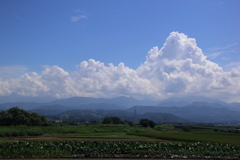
[196, 111]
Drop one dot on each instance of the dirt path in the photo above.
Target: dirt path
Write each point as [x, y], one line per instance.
[81, 139]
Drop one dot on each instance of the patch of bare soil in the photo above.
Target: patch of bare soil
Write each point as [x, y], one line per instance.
[81, 139]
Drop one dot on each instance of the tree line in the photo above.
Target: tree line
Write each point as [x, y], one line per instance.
[16, 116]
[117, 120]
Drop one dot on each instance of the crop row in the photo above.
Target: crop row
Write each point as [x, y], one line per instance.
[33, 149]
[194, 137]
[15, 132]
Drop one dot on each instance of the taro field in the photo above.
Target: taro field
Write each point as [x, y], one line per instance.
[117, 149]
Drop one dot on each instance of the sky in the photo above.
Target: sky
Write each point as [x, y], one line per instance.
[153, 49]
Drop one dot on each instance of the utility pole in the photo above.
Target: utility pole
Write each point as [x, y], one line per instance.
[135, 114]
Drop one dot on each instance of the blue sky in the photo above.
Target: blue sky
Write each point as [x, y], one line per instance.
[37, 35]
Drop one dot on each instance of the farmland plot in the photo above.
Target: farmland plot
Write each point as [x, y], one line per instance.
[108, 149]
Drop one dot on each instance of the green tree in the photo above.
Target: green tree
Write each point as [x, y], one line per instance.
[116, 120]
[16, 116]
[107, 120]
[187, 128]
[5, 118]
[147, 123]
[113, 120]
[20, 119]
[151, 124]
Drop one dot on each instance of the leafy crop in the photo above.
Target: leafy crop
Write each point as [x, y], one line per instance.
[34, 149]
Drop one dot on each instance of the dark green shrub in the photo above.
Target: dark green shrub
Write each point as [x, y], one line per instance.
[186, 129]
[147, 123]
[111, 120]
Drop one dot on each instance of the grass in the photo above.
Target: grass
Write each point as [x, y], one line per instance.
[75, 131]
[119, 131]
[229, 138]
[95, 135]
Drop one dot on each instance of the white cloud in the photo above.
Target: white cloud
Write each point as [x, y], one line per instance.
[77, 18]
[4, 89]
[178, 68]
[232, 65]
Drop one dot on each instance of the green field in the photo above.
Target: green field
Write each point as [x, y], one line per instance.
[80, 130]
[195, 136]
[197, 143]
[165, 132]
[91, 149]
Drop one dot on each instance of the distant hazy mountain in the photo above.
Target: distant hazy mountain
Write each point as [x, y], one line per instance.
[98, 115]
[172, 103]
[95, 106]
[96, 103]
[203, 114]
[191, 99]
[50, 110]
[192, 108]
[164, 118]
[198, 101]
[124, 102]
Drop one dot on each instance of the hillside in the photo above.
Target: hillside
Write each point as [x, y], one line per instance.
[191, 108]
[98, 115]
[204, 114]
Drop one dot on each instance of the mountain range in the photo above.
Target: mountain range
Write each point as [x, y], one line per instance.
[184, 109]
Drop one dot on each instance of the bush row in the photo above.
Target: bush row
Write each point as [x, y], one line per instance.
[15, 132]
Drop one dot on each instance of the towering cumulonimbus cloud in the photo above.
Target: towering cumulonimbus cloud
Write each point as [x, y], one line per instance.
[178, 68]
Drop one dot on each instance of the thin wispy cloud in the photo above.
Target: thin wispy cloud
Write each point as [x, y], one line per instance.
[234, 64]
[77, 18]
[225, 58]
[228, 46]
[222, 48]
[81, 11]
[80, 15]
[9, 72]
[214, 55]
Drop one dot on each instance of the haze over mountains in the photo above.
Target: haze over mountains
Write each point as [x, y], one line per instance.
[185, 109]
